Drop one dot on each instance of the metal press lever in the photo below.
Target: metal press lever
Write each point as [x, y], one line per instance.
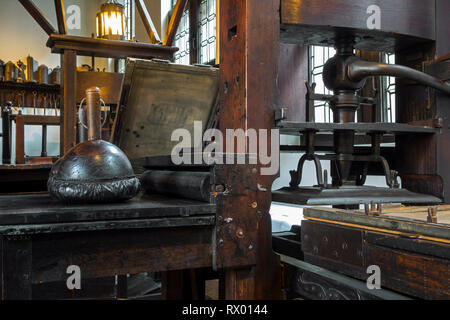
[359, 70]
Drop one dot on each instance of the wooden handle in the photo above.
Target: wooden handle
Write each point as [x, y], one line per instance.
[93, 113]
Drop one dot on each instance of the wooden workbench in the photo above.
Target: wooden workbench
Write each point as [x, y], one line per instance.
[40, 238]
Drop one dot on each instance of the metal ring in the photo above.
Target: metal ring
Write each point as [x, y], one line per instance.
[80, 120]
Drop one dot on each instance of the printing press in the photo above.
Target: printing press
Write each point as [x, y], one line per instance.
[127, 206]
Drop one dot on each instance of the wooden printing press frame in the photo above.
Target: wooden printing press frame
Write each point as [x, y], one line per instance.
[347, 250]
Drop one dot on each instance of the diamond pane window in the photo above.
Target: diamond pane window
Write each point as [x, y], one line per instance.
[182, 39]
[207, 31]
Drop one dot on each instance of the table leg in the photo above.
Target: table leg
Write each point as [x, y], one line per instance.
[237, 284]
[172, 287]
[122, 287]
[16, 268]
[20, 140]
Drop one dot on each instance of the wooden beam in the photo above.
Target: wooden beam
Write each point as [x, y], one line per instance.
[193, 33]
[84, 46]
[174, 22]
[61, 16]
[68, 118]
[147, 20]
[38, 16]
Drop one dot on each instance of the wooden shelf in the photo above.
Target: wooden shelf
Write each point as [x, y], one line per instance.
[109, 48]
[30, 86]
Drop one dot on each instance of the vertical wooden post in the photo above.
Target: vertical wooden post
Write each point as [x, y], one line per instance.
[68, 119]
[20, 140]
[172, 287]
[249, 54]
[122, 287]
[238, 284]
[193, 31]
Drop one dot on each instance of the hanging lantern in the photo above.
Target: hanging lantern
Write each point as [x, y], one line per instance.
[111, 21]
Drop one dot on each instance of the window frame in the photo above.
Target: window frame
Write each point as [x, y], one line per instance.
[193, 47]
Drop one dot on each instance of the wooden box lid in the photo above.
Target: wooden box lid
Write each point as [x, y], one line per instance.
[159, 97]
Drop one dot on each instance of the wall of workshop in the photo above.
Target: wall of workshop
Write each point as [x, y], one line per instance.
[159, 12]
[21, 36]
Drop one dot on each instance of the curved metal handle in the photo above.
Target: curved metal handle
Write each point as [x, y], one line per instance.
[359, 70]
[80, 108]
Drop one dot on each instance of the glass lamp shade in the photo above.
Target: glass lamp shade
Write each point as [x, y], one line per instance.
[111, 21]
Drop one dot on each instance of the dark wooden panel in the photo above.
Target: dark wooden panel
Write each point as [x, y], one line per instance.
[287, 245]
[16, 268]
[340, 244]
[101, 288]
[406, 17]
[418, 155]
[108, 253]
[109, 83]
[108, 225]
[442, 28]
[293, 72]
[419, 246]
[426, 184]
[416, 275]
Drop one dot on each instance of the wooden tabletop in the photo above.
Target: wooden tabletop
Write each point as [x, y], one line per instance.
[39, 213]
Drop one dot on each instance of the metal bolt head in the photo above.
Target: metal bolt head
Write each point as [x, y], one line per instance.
[254, 205]
[240, 233]
[220, 188]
